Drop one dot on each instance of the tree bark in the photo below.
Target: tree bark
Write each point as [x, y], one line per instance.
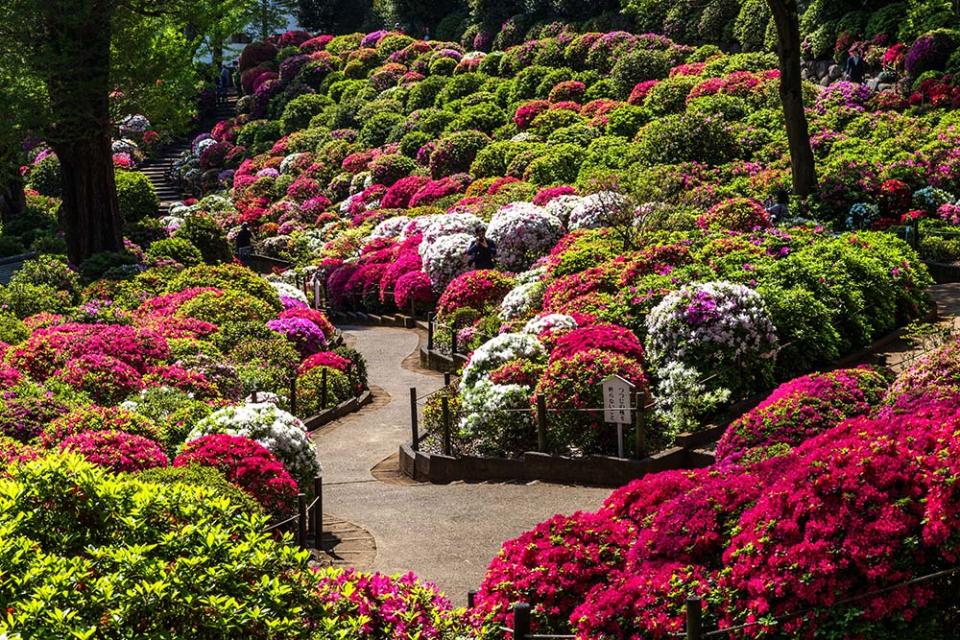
[80, 130]
[90, 213]
[13, 201]
[802, 163]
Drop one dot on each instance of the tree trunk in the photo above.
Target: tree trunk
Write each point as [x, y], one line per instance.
[90, 214]
[80, 129]
[12, 199]
[802, 162]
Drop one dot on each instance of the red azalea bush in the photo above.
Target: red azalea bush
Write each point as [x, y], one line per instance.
[474, 289]
[248, 465]
[48, 349]
[106, 380]
[399, 195]
[415, 287]
[604, 337]
[324, 359]
[188, 380]
[573, 389]
[641, 499]
[552, 567]
[865, 506]
[735, 214]
[522, 372]
[14, 451]
[118, 451]
[802, 408]
[528, 112]
[94, 418]
[645, 603]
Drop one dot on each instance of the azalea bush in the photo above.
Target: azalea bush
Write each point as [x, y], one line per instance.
[280, 432]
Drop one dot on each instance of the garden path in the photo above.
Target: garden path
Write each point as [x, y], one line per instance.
[901, 353]
[444, 533]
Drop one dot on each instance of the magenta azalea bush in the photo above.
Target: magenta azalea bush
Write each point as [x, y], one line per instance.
[116, 450]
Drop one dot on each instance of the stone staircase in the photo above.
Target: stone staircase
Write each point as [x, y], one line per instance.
[158, 170]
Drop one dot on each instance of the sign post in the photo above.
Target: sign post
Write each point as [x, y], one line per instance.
[617, 410]
[316, 291]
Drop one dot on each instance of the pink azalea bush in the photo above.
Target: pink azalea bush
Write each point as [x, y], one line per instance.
[116, 450]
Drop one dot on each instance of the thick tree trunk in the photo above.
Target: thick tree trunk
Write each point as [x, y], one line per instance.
[80, 130]
[802, 162]
[90, 213]
[12, 199]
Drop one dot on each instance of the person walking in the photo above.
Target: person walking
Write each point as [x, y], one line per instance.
[856, 67]
[223, 83]
[244, 242]
[482, 252]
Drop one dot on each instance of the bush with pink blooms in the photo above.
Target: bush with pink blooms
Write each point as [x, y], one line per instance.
[246, 464]
[116, 450]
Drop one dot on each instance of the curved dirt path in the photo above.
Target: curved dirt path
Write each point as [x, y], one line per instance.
[446, 534]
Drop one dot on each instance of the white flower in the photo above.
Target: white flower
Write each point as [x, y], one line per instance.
[280, 432]
[487, 402]
[498, 351]
[551, 321]
[445, 258]
[593, 211]
[562, 206]
[449, 224]
[522, 299]
[285, 290]
[522, 233]
[389, 228]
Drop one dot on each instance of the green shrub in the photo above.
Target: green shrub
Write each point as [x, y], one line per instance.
[46, 177]
[804, 328]
[424, 93]
[670, 96]
[486, 117]
[640, 65]
[228, 307]
[227, 277]
[26, 299]
[49, 270]
[549, 121]
[259, 135]
[108, 264]
[177, 249]
[376, 130]
[686, 138]
[137, 196]
[410, 143]
[299, 111]
[12, 331]
[751, 24]
[202, 476]
[456, 152]
[559, 166]
[203, 232]
[627, 120]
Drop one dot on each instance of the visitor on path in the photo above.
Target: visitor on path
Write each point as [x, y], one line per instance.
[481, 253]
[244, 242]
[856, 68]
[223, 83]
[778, 209]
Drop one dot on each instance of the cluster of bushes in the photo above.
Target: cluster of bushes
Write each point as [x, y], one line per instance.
[780, 534]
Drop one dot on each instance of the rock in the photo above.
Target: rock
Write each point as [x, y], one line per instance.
[834, 72]
[883, 86]
[825, 81]
[873, 83]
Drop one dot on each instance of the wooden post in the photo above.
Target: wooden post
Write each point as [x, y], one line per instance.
[915, 236]
[318, 512]
[323, 388]
[637, 402]
[414, 427]
[694, 619]
[446, 378]
[471, 599]
[521, 621]
[293, 394]
[445, 405]
[541, 423]
[453, 341]
[413, 308]
[302, 520]
[429, 332]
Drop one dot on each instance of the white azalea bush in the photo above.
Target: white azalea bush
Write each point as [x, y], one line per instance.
[720, 330]
[285, 290]
[498, 351]
[523, 233]
[445, 258]
[280, 432]
[549, 322]
[389, 228]
[452, 223]
[592, 211]
[522, 299]
[494, 419]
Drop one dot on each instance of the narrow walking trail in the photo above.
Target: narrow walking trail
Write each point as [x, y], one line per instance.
[446, 534]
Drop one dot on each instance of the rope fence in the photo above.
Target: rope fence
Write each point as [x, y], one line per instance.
[308, 519]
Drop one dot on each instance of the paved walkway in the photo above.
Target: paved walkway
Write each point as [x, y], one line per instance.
[902, 353]
[444, 533]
